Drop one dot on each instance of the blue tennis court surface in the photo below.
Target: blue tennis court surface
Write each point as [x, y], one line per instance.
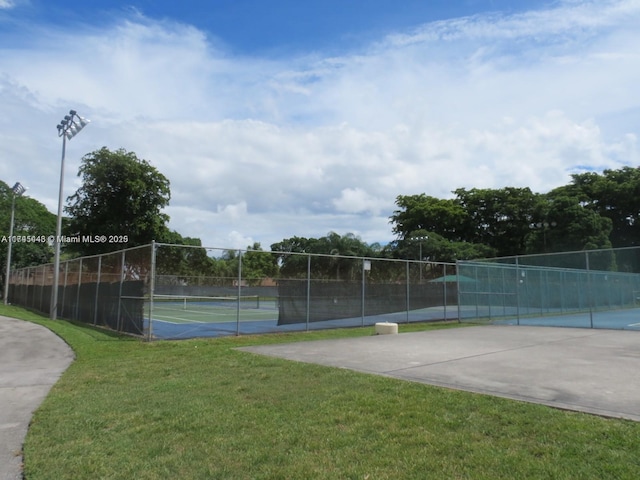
[164, 328]
[627, 319]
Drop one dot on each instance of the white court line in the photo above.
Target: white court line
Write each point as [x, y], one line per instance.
[182, 322]
[209, 312]
[225, 313]
[197, 312]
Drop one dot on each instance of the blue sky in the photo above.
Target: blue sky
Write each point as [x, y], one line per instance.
[280, 118]
[273, 27]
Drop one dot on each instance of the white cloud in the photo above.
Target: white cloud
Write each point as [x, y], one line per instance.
[356, 200]
[569, 21]
[261, 150]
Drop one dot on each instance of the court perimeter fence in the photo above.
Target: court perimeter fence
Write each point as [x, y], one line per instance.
[162, 291]
[571, 289]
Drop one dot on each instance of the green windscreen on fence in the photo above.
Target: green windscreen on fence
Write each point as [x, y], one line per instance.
[184, 291]
[318, 301]
[555, 284]
[106, 290]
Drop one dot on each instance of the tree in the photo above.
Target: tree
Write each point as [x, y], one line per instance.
[331, 262]
[423, 212]
[339, 247]
[436, 248]
[183, 257]
[561, 224]
[497, 218]
[512, 221]
[258, 264]
[616, 195]
[477, 220]
[292, 265]
[122, 196]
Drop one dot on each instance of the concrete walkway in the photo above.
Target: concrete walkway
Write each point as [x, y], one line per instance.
[593, 371]
[32, 358]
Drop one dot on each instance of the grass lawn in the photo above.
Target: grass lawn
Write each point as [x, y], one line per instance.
[199, 409]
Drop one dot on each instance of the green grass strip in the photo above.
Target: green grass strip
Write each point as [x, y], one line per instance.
[200, 409]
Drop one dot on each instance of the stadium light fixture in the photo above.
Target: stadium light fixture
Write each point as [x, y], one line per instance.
[420, 239]
[17, 190]
[68, 128]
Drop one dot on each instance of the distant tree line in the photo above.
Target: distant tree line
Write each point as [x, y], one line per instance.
[593, 211]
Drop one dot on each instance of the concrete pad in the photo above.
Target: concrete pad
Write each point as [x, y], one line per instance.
[587, 370]
[32, 358]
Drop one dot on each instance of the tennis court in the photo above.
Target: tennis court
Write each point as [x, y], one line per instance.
[177, 318]
[185, 317]
[626, 319]
[163, 291]
[548, 290]
[181, 316]
[209, 309]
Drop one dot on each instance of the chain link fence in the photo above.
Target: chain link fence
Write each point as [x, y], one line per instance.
[574, 289]
[107, 290]
[162, 291]
[202, 291]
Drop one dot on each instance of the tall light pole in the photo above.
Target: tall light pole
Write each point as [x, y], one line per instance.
[544, 226]
[68, 128]
[420, 238]
[18, 190]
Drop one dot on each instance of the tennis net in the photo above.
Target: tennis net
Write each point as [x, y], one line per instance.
[205, 303]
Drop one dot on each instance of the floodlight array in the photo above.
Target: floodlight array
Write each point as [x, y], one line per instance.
[18, 189]
[71, 125]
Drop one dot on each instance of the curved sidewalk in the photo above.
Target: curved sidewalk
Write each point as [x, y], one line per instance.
[32, 358]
